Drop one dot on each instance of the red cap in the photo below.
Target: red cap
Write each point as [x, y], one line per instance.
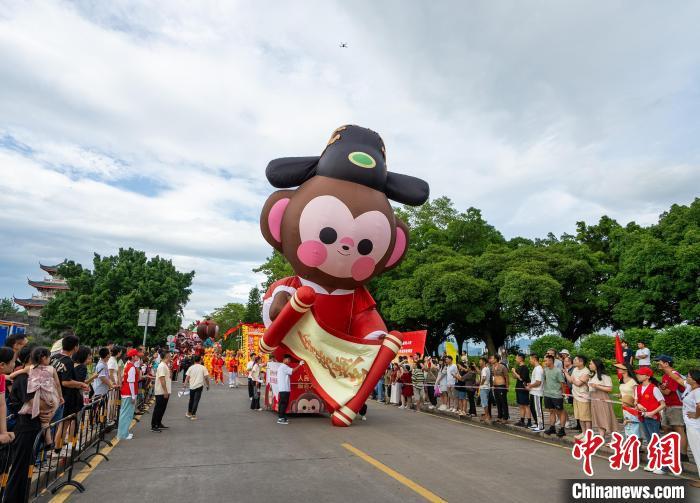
[132, 352]
[645, 371]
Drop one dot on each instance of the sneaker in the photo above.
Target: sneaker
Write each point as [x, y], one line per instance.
[431, 407]
[129, 436]
[156, 430]
[163, 427]
[442, 407]
[193, 418]
[188, 415]
[551, 431]
[537, 430]
[561, 433]
[260, 408]
[364, 418]
[658, 471]
[280, 421]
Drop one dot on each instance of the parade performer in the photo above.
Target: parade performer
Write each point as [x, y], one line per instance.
[217, 364]
[232, 368]
[338, 231]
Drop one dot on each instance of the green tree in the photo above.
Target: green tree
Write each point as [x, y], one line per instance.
[7, 307]
[274, 268]
[253, 309]
[228, 315]
[102, 304]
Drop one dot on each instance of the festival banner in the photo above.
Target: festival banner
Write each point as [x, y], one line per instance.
[338, 364]
[451, 347]
[413, 342]
[271, 376]
[251, 334]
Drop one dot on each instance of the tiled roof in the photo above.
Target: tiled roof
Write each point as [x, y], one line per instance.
[31, 302]
[48, 285]
[51, 269]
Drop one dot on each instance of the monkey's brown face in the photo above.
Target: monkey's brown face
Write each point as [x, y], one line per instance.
[340, 244]
[334, 232]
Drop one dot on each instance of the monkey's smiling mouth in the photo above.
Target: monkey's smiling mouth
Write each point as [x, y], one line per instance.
[343, 254]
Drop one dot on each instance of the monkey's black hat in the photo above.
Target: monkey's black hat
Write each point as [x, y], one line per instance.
[354, 154]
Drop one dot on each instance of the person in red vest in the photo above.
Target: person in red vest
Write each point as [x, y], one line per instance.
[129, 391]
[649, 401]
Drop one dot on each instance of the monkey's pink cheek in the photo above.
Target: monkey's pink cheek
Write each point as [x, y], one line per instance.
[362, 268]
[312, 253]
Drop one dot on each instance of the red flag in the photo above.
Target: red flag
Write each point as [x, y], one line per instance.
[619, 353]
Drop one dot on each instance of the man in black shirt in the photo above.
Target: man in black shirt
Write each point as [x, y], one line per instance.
[71, 387]
[521, 372]
[627, 353]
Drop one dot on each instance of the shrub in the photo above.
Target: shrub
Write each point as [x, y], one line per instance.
[598, 346]
[683, 366]
[680, 342]
[635, 335]
[541, 345]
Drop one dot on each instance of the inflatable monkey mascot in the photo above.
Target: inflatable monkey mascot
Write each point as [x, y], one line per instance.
[338, 231]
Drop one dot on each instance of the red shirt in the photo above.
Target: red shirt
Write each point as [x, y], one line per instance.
[672, 399]
[2, 383]
[350, 312]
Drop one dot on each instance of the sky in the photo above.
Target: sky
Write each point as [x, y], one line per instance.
[149, 124]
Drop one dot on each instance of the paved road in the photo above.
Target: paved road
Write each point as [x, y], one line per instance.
[234, 454]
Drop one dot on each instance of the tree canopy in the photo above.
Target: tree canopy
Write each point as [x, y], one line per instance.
[102, 304]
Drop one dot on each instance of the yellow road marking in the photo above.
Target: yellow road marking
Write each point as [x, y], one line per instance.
[432, 497]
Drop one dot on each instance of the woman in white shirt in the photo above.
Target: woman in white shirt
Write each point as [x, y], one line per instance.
[691, 416]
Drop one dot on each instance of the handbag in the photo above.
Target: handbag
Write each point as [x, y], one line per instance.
[436, 390]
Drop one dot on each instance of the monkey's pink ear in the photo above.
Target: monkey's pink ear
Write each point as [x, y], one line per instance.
[271, 217]
[400, 245]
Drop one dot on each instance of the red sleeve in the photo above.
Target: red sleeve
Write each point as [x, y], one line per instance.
[2, 383]
[366, 322]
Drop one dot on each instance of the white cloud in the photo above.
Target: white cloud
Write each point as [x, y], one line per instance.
[148, 124]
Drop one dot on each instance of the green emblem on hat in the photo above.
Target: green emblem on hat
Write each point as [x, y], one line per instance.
[362, 160]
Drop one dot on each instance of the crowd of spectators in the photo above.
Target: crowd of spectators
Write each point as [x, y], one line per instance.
[576, 393]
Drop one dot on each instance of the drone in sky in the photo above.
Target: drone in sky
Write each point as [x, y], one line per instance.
[343, 45]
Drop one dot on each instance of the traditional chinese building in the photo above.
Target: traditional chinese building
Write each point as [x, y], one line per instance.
[46, 289]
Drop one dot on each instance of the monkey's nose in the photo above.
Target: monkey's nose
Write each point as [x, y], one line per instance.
[346, 248]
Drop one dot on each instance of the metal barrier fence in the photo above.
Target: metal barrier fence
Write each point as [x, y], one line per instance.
[76, 439]
[5, 457]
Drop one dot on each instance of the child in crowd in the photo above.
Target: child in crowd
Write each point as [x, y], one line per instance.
[46, 388]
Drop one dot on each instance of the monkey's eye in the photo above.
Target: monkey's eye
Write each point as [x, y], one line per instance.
[365, 247]
[328, 235]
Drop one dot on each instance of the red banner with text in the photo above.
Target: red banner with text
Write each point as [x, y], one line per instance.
[413, 342]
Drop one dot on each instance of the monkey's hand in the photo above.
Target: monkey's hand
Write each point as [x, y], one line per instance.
[278, 302]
